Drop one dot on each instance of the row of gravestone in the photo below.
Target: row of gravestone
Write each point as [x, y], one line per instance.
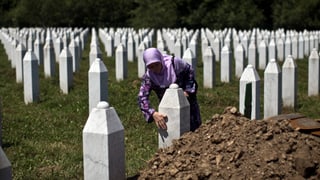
[276, 83]
[26, 64]
[297, 44]
[249, 91]
[103, 134]
[28, 69]
[123, 49]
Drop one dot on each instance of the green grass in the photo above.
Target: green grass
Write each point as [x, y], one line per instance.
[44, 140]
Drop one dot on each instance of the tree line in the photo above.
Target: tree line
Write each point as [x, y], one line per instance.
[213, 14]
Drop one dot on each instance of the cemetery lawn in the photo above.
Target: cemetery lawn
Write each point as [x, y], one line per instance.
[43, 140]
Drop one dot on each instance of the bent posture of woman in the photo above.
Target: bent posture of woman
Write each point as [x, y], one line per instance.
[163, 70]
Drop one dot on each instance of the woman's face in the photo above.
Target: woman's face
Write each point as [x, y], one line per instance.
[155, 67]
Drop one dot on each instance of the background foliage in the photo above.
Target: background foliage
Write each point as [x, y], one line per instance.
[214, 14]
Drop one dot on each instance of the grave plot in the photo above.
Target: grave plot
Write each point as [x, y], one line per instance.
[231, 146]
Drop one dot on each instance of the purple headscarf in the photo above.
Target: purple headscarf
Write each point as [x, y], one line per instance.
[167, 75]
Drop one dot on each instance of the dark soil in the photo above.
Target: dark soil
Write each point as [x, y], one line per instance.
[231, 146]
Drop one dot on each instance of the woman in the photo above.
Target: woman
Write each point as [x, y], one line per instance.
[163, 70]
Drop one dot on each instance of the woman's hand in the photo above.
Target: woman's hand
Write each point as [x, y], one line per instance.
[160, 120]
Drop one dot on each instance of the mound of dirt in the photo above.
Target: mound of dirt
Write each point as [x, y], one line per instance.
[231, 146]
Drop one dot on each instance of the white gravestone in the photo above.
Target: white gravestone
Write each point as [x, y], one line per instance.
[78, 43]
[117, 39]
[280, 49]
[141, 65]
[147, 41]
[227, 40]
[30, 78]
[272, 49]
[131, 48]
[178, 49]
[249, 93]
[313, 73]
[109, 46]
[30, 41]
[272, 89]
[226, 64]
[194, 47]
[252, 54]
[300, 46]
[176, 106]
[263, 55]
[294, 47]
[12, 54]
[103, 144]
[245, 43]
[121, 63]
[160, 46]
[209, 68]
[38, 50]
[49, 57]
[65, 70]
[190, 59]
[236, 41]
[5, 166]
[216, 46]
[124, 40]
[184, 42]
[239, 60]
[94, 53]
[58, 46]
[204, 45]
[306, 45]
[137, 41]
[289, 82]
[97, 83]
[21, 51]
[74, 48]
[288, 47]
[65, 42]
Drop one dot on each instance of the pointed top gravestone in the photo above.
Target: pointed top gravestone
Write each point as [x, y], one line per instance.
[103, 144]
[177, 108]
[189, 57]
[178, 48]
[94, 53]
[272, 89]
[226, 66]
[20, 52]
[30, 77]
[209, 68]
[313, 73]
[239, 60]
[65, 71]
[289, 82]
[97, 83]
[121, 62]
[252, 54]
[249, 100]
[263, 55]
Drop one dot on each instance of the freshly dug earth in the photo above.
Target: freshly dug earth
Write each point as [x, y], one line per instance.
[231, 146]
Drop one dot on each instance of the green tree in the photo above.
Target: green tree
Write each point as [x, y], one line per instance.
[296, 14]
[32, 13]
[5, 9]
[154, 14]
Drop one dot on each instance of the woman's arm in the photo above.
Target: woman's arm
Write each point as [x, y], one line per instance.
[143, 99]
